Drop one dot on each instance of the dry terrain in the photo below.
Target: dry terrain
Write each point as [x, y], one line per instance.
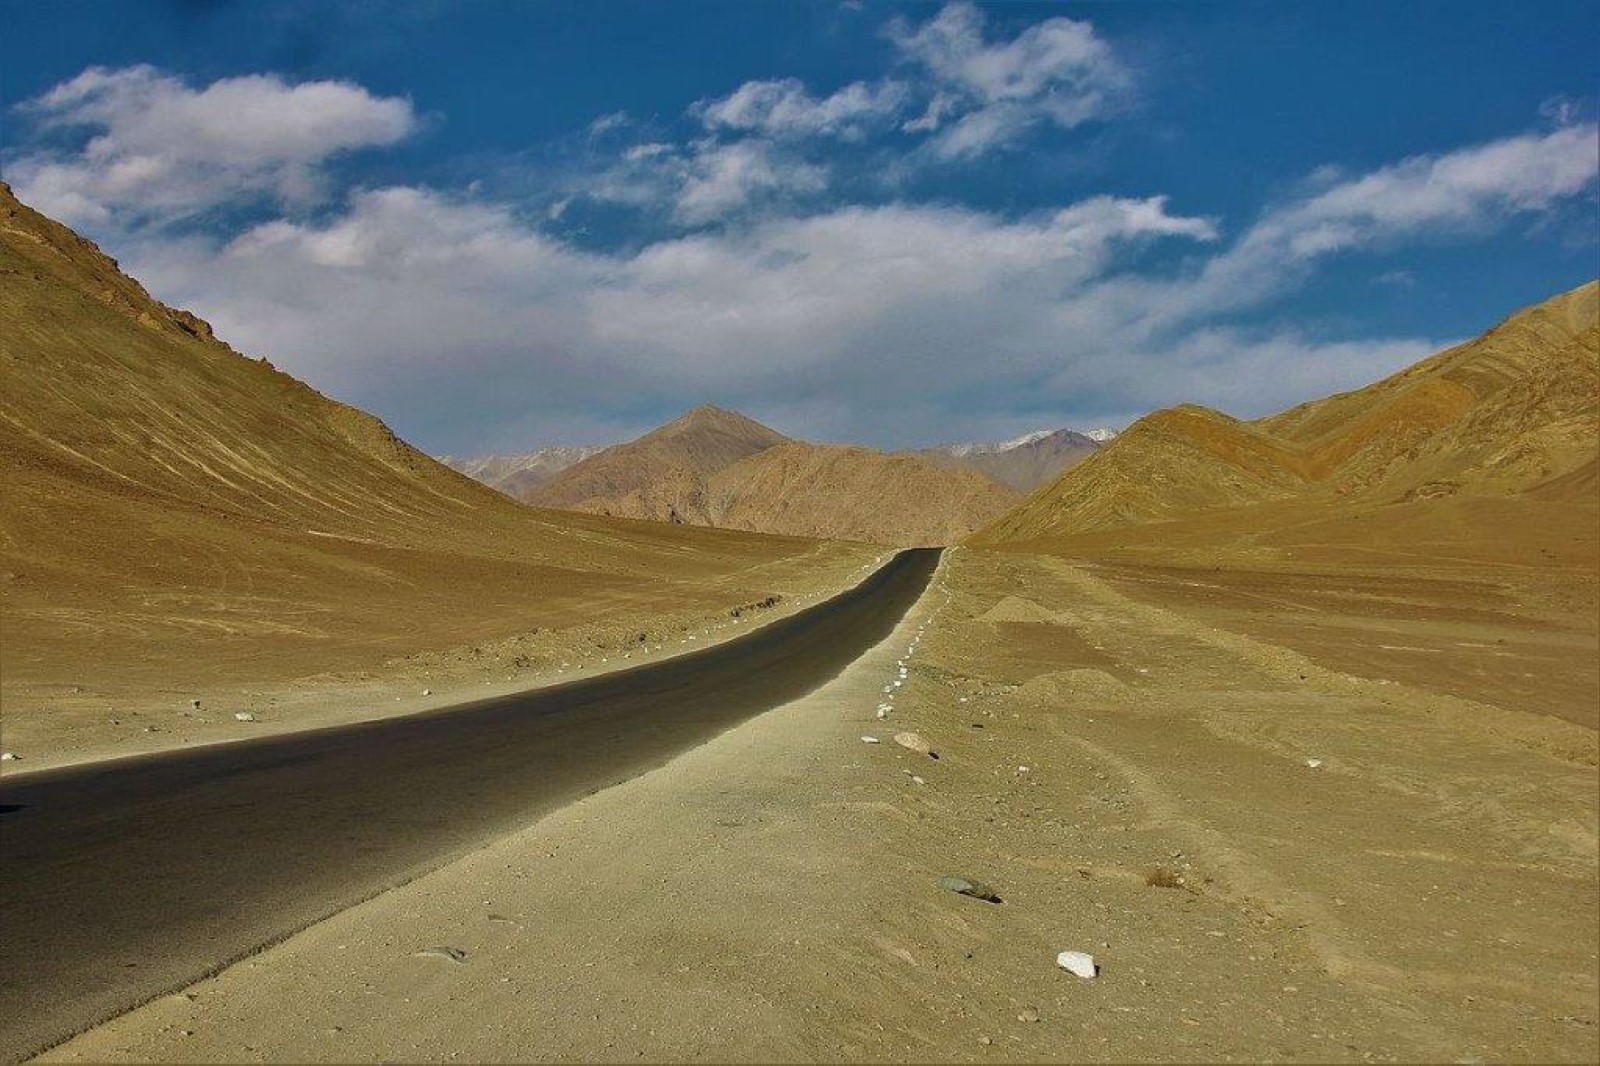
[183, 523]
[1269, 858]
[717, 468]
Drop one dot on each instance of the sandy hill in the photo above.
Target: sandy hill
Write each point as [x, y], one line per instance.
[854, 494]
[1515, 411]
[175, 511]
[516, 475]
[717, 468]
[1022, 464]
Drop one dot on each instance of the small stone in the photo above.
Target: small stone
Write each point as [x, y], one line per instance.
[195, 704]
[453, 955]
[1030, 1015]
[912, 742]
[1313, 763]
[427, 692]
[985, 1041]
[244, 716]
[1080, 963]
[9, 756]
[917, 780]
[870, 740]
[964, 886]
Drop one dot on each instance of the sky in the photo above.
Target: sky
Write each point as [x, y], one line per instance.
[504, 225]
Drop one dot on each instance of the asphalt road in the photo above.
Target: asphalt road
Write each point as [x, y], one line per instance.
[123, 880]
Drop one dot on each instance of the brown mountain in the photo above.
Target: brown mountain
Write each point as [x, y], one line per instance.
[660, 476]
[717, 468]
[1514, 412]
[853, 493]
[177, 514]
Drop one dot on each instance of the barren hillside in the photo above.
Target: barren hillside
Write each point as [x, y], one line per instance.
[1498, 416]
[178, 516]
[854, 494]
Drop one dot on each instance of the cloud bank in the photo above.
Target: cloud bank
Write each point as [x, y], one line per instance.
[474, 324]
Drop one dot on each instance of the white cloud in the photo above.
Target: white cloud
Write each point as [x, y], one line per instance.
[705, 180]
[1058, 71]
[783, 108]
[159, 148]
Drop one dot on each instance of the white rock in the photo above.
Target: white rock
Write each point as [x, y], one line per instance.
[427, 692]
[8, 756]
[243, 716]
[1078, 962]
[882, 713]
[913, 742]
[898, 682]
[1313, 763]
[870, 740]
[917, 780]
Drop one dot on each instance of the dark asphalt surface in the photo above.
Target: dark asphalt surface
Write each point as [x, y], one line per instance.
[123, 880]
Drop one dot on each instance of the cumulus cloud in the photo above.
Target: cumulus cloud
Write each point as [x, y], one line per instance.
[465, 321]
[705, 180]
[160, 148]
[988, 95]
[783, 108]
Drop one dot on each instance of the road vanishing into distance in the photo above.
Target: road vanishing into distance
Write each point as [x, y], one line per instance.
[122, 880]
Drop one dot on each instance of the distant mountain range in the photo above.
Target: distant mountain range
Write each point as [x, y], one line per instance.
[1023, 463]
[514, 474]
[1026, 462]
[713, 467]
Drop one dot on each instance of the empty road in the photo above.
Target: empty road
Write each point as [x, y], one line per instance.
[123, 880]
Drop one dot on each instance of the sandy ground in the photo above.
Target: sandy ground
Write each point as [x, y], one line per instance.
[106, 711]
[1344, 868]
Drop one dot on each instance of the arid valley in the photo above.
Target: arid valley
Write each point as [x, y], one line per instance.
[699, 736]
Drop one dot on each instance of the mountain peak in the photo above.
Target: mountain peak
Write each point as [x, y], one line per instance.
[709, 418]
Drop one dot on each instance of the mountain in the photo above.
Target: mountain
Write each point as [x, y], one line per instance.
[718, 468]
[1024, 463]
[517, 474]
[1101, 435]
[1515, 412]
[660, 476]
[852, 493]
[177, 514]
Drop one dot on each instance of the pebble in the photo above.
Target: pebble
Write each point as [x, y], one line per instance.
[244, 716]
[869, 740]
[455, 955]
[9, 756]
[195, 704]
[1080, 963]
[913, 742]
[1029, 1015]
[1313, 763]
[427, 692]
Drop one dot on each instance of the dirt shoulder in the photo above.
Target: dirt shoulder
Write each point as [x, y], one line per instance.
[289, 683]
[1343, 870]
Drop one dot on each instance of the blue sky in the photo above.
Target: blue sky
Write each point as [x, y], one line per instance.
[500, 225]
